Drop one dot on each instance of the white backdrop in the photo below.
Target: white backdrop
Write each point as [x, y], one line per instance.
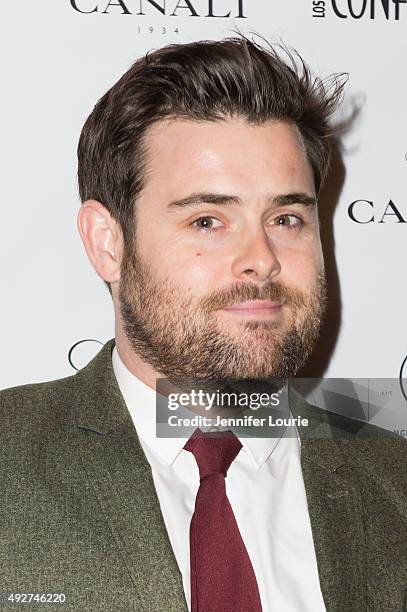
[56, 62]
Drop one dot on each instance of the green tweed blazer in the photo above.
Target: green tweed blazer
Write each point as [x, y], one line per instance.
[79, 514]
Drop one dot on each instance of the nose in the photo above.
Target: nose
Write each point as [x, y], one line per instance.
[256, 258]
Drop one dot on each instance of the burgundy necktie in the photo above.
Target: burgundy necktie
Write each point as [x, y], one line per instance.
[222, 576]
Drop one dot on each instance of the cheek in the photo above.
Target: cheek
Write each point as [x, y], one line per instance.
[300, 269]
[196, 272]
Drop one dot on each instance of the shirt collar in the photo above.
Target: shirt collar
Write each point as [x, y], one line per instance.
[140, 400]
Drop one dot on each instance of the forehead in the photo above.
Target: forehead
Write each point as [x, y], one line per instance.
[184, 154]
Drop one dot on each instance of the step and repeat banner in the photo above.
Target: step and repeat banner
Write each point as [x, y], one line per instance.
[59, 57]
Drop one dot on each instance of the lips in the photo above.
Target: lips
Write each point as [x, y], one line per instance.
[254, 306]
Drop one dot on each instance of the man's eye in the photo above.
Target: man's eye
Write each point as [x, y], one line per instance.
[288, 221]
[206, 224]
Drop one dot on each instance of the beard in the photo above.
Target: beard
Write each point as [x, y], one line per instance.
[182, 338]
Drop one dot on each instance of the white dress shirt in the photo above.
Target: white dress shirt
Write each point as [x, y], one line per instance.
[265, 488]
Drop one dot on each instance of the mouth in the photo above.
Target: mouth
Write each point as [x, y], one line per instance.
[255, 308]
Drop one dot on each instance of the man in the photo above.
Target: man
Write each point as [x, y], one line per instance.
[199, 173]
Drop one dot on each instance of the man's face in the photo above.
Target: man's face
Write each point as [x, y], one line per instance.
[226, 280]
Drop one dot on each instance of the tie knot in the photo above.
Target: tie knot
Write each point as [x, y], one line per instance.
[213, 451]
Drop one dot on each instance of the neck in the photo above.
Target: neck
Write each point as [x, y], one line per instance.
[139, 368]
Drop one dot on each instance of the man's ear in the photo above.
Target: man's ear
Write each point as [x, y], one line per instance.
[102, 238]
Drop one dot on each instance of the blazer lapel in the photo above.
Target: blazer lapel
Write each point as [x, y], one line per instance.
[335, 509]
[121, 476]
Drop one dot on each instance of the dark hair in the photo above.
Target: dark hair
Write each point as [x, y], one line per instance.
[204, 80]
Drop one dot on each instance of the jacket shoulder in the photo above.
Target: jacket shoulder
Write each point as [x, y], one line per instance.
[35, 401]
[375, 446]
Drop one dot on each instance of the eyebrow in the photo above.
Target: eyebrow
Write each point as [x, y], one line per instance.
[196, 199]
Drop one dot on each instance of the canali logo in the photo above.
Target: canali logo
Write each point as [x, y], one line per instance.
[171, 8]
[367, 211]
